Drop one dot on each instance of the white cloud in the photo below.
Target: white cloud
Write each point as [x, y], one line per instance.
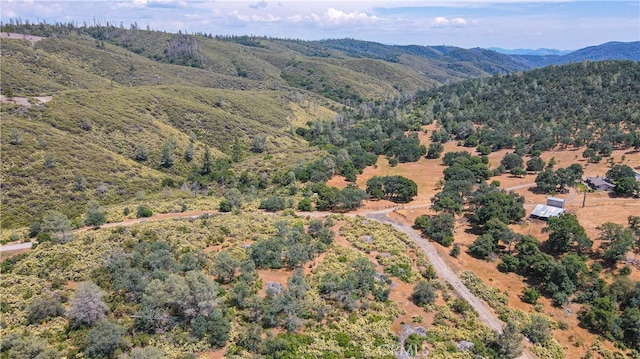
[333, 16]
[254, 18]
[171, 4]
[338, 17]
[458, 22]
[442, 21]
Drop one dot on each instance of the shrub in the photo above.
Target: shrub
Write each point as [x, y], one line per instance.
[483, 246]
[439, 227]
[435, 150]
[14, 346]
[305, 205]
[273, 204]
[460, 306]
[103, 340]
[95, 215]
[43, 308]
[538, 329]
[455, 251]
[87, 305]
[530, 295]
[626, 270]
[143, 212]
[34, 229]
[225, 206]
[509, 263]
[423, 293]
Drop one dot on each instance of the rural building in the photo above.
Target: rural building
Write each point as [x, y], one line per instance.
[553, 208]
[599, 183]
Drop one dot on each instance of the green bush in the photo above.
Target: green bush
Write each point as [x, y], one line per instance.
[455, 252]
[104, 339]
[305, 205]
[423, 293]
[626, 270]
[43, 308]
[143, 212]
[273, 204]
[225, 206]
[530, 295]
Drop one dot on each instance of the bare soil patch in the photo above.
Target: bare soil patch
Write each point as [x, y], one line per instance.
[15, 36]
[401, 295]
[280, 276]
[24, 101]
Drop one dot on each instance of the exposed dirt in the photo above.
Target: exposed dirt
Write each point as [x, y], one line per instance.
[14, 36]
[24, 101]
[273, 275]
[401, 295]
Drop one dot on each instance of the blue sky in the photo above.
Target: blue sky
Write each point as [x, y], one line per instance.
[508, 24]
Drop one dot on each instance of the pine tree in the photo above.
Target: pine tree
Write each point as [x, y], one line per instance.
[236, 150]
[206, 161]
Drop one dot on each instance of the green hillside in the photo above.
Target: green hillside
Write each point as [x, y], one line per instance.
[121, 91]
[118, 92]
[592, 103]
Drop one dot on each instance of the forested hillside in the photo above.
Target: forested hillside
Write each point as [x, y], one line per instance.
[149, 103]
[592, 103]
[144, 105]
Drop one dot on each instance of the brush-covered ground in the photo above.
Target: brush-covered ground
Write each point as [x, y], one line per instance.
[348, 294]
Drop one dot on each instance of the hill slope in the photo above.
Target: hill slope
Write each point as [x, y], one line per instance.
[118, 92]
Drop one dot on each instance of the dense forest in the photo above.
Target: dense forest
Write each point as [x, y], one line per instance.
[591, 103]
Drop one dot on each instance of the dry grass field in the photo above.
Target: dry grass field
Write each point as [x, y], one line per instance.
[599, 208]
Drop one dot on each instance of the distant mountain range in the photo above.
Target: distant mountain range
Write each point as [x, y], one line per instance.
[537, 52]
[492, 60]
[608, 51]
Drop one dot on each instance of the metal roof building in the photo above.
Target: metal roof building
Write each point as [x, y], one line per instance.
[553, 208]
[542, 211]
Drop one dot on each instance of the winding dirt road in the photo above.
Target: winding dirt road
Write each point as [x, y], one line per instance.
[444, 271]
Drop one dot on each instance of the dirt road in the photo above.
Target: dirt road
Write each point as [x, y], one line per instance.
[15, 247]
[446, 273]
[443, 270]
[126, 223]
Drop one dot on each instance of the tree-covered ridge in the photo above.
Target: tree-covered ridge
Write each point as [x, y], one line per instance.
[592, 103]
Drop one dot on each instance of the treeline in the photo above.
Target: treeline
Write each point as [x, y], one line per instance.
[181, 49]
[593, 104]
[357, 137]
